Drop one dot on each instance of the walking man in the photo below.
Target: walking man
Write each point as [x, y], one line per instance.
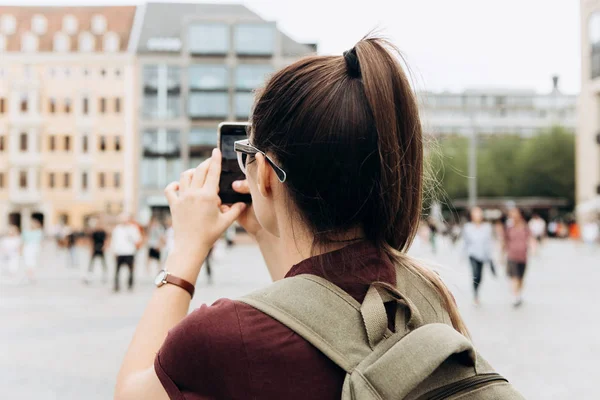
[516, 245]
[125, 241]
[98, 237]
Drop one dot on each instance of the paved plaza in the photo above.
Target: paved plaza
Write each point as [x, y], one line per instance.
[60, 339]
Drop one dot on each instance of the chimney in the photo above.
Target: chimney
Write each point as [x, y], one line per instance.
[555, 83]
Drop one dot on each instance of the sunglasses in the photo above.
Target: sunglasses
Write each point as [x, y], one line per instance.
[244, 150]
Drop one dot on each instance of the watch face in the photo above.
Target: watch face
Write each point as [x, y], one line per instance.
[160, 278]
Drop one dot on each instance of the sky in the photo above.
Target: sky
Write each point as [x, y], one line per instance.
[449, 44]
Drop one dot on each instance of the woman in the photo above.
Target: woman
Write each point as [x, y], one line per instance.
[516, 245]
[478, 244]
[156, 239]
[334, 165]
[32, 245]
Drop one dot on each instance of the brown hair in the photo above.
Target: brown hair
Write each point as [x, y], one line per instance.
[346, 130]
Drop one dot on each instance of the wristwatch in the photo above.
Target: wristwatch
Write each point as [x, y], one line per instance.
[165, 277]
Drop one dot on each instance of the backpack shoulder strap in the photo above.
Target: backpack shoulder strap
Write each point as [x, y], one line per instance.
[320, 312]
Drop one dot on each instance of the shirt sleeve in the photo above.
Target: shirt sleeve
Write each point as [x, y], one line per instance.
[197, 354]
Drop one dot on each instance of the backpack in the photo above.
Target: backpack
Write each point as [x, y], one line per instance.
[424, 358]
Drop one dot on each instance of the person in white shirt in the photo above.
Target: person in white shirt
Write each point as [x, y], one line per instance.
[125, 240]
[590, 233]
[537, 227]
[10, 249]
[478, 239]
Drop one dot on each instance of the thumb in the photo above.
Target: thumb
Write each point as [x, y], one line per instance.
[233, 213]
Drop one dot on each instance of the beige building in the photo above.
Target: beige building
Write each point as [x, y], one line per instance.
[67, 106]
[588, 113]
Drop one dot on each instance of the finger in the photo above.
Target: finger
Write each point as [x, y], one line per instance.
[214, 171]
[200, 174]
[234, 212]
[225, 208]
[241, 186]
[186, 179]
[171, 192]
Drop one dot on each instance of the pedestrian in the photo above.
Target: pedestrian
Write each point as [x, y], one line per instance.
[433, 230]
[537, 227]
[478, 240]
[334, 164]
[125, 241]
[10, 250]
[156, 240]
[32, 245]
[516, 244]
[589, 233]
[98, 239]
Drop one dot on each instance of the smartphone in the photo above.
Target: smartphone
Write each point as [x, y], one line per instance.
[227, 134]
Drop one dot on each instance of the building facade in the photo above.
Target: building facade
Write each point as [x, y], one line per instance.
[496, 112]
[198, 65]
[588, 114]
[66, 113]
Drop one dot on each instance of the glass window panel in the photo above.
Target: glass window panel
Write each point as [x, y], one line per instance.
[174, 170]
[197, 160]
[173, 142]
[150, 106]
[243, 104]
[208, 38]
[203, 137]
[209, 77]
[150, 142]
[255, 39]
[208, 105]
[150, 78]
[251, 76]
[149, 172]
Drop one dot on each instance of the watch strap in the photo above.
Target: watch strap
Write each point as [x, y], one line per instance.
[182, 283]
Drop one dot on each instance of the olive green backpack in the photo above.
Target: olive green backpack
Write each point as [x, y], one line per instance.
[423, 359]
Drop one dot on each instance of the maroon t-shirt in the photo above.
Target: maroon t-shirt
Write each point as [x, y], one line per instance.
[232, 351]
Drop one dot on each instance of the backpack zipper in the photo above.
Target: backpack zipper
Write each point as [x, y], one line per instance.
[457, 387]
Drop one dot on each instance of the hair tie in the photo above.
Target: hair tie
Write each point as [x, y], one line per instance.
[352, 64]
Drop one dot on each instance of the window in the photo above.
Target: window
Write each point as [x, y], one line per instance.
[9, 24]
[1, 180]
[1, 143]
[173, 92]
[52, 106]
[23, 141]
[209, 77]
[85, 106]
[66, 180]
[87, 42]
[117, 143]
[150, 102]
[51, 182]
[102, 105]
[23, 179]
[101, 180]
[67, 106]
[39, 24]
[98, 24]
[2, 105]
[86, 72]
[251, 76]
[111, 42]
[84, 143]
[67, 143]
[208, 105]
[256, 39]
[203, 136]
[594, 40]
[24, 103]
[208, 38]
[52, 142]
[61, 42]
[161, 143]
[118, 105]
[29, 42]
[70, 24]
[84, 181]
[102, 143]
[103, 73]
[117, 73]
[117, 179]
[243, 104]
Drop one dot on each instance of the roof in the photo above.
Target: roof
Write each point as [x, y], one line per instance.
[119, 19]
[165, 21]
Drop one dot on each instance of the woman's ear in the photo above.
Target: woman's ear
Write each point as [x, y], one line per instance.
[263, 175]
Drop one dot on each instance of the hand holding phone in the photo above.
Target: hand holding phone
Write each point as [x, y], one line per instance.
[228, 134]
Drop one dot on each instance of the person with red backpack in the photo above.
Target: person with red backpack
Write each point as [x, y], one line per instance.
[334, 164]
